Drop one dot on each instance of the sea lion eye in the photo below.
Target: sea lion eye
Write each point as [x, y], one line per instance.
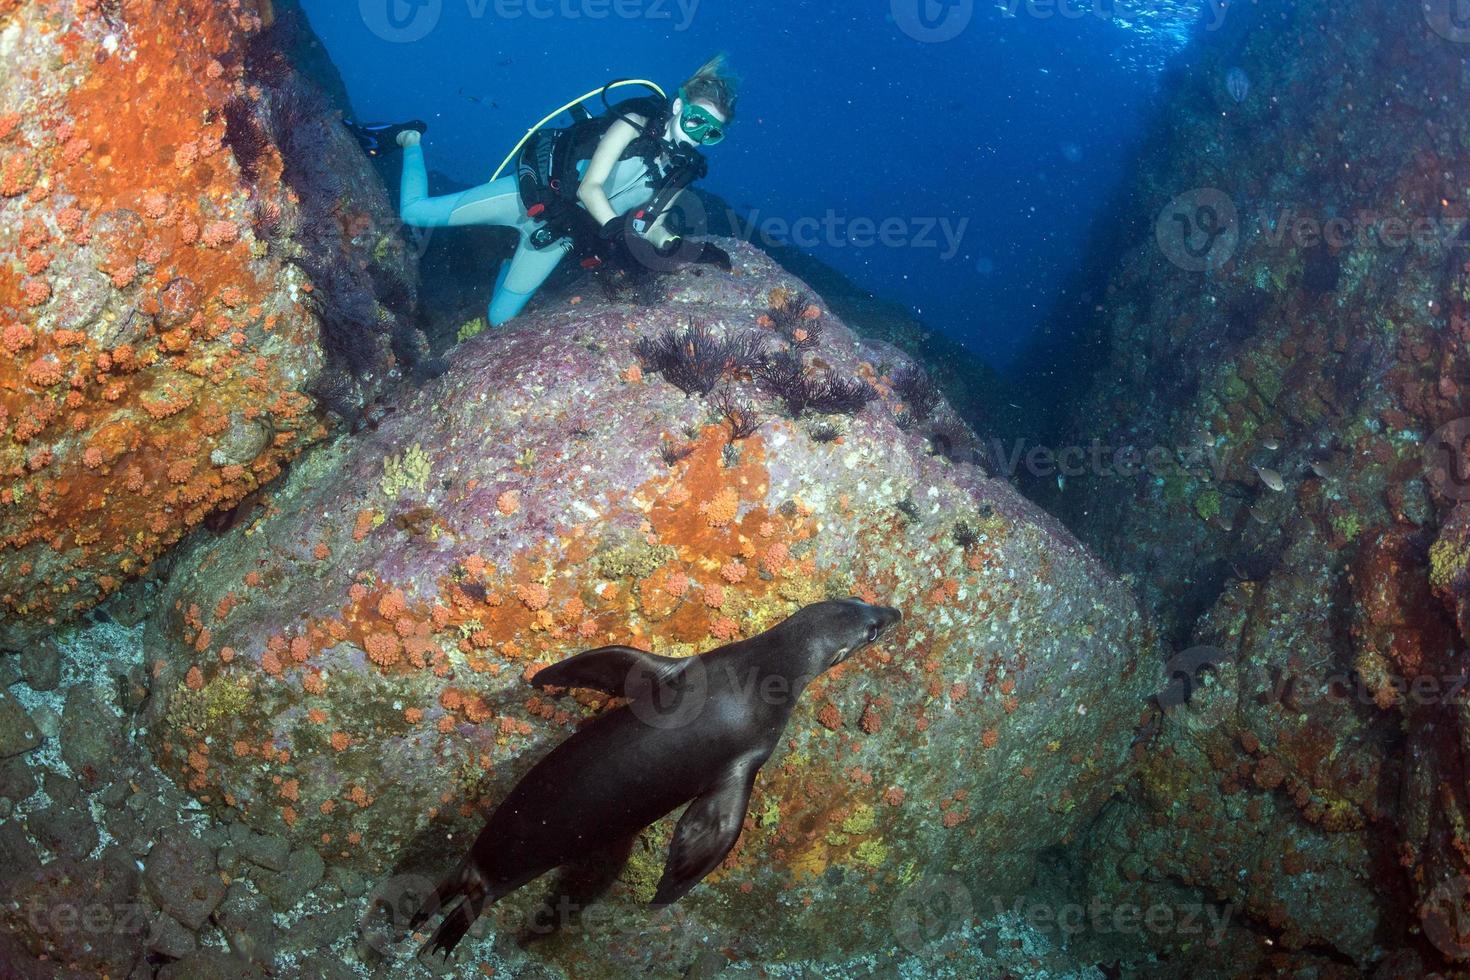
[872, 632]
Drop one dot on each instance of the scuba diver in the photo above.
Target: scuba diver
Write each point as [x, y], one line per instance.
[602, 187]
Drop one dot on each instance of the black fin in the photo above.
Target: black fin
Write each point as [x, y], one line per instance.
[620, 671]
[450, 886]
[456, 923]
[706, 832]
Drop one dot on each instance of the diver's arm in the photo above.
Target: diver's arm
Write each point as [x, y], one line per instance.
[591, 192]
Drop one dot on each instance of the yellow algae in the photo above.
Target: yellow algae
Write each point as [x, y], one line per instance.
[473, 328]
[405, 471]
[872, 853]
[861, 820]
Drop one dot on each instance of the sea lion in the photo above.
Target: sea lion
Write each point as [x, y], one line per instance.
[694, 729]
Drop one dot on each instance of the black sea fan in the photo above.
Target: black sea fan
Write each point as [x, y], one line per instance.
[693, 360]
[744, 353]
[739, 413]
[792, 321]
[784, 376]
[918, 393]
[840, 396]
[245, 136]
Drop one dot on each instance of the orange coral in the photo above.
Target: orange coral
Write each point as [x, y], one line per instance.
[392, 604]
[724, 628]
[721, 509]
[534, 596]
[383, 649]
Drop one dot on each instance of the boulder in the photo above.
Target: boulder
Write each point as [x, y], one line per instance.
[351, 673]
[160, 342]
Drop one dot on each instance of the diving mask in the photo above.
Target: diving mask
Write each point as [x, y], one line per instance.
[700, 125]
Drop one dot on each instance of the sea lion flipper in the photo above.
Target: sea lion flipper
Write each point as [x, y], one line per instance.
[614, 670]
[706, 832]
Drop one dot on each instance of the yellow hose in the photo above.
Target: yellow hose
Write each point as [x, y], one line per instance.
[537, 128]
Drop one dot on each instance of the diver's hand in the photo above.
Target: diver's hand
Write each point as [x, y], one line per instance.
[614, 227]
[715, 256]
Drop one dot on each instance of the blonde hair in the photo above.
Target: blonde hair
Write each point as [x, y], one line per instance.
[715, 85]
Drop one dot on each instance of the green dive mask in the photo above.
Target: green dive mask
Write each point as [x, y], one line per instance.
[700, 125]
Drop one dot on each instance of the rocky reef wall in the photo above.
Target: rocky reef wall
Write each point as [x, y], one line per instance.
[1283, 342]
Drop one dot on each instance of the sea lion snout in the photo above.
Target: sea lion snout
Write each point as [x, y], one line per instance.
[861, 624]
[888, 617]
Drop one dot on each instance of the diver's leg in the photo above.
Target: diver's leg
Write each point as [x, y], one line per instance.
[495, 203]
[522, 276]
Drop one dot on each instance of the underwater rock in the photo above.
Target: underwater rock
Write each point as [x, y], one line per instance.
[19, 733]
[82, 913]
[181, 877]
[350, 672]
[152, 238]
[1311, 379]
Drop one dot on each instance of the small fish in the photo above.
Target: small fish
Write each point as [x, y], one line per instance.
[1238, 84]
[1061, 482]
[1258, 514]
[1321, 468]
[1272, 445]
[1271, 478]
[478, 100]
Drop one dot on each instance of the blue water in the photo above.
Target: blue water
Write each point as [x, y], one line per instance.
[989, 154]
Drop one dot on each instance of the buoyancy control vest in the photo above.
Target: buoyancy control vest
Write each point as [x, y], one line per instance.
[549, 174]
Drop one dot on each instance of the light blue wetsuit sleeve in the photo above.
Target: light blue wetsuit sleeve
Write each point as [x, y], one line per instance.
[499, 203]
